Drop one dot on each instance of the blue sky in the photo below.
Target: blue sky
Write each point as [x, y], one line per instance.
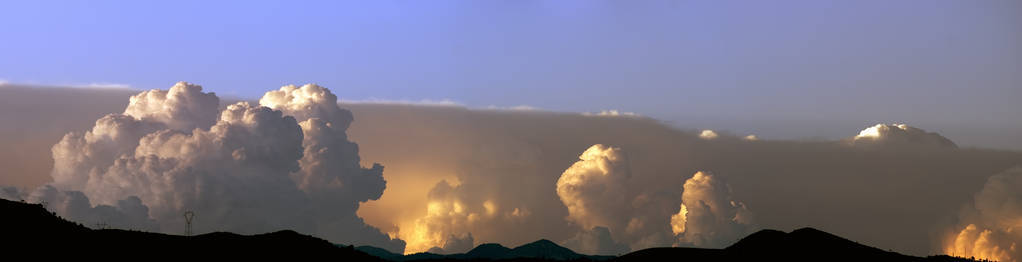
[779, 69]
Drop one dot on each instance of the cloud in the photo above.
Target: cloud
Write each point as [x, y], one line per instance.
[708, 134]
[611, 113]
[708, 216]
[448, 215]
[593, 188]
[454, 213]
[604, 206]
[509, 162]
[514, 160]
[514, 108]
[184, 107]
[597, 241]
[993, 222]
[983, 244]
[104, 85]
[247, 169]
[455, 245]
[900, 135]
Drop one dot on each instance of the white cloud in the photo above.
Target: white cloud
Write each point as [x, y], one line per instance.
[708, 216]
[593, 188]
[708, 134]
[899, 135]
[253, 169]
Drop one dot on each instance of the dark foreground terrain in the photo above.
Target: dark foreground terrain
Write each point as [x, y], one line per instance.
[29, 229]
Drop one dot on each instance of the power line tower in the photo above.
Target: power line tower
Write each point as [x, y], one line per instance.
[188, 222]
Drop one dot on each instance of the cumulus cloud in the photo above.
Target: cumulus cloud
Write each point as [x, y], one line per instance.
[593, 188]
[454, 213]
[595, 192]
[900, 135]
[597, 241]
[708, 134]
[247, 169]
[509, 162]
[446, 210]
[708, 216]
[993, 223]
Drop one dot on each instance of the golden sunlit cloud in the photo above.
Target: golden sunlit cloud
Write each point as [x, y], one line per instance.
[678, 220]
[981, 244]
[708, 216]
[994, 227]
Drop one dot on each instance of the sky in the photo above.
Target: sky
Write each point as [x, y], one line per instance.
[605, 126]
[791, 69]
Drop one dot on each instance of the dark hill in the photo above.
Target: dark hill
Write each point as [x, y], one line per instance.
[29, 229]
[489, 250]
[806, 244]
[544, 249]
[381, 253]
[673, 253]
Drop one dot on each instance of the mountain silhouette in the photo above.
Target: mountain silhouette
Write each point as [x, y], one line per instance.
[808, 243]
[805, 244]
[544, 249]
[30, 229]
[488, 250]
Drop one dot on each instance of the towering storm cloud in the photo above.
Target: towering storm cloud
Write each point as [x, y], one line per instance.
[991, 227]
[597, 192]
[594, 191]
[708, 216]
[593, 188]
[247, 169]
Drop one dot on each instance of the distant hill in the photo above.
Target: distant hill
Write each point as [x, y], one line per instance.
[488, 250]
[541, 250]
[29, 229]
[806, 244]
